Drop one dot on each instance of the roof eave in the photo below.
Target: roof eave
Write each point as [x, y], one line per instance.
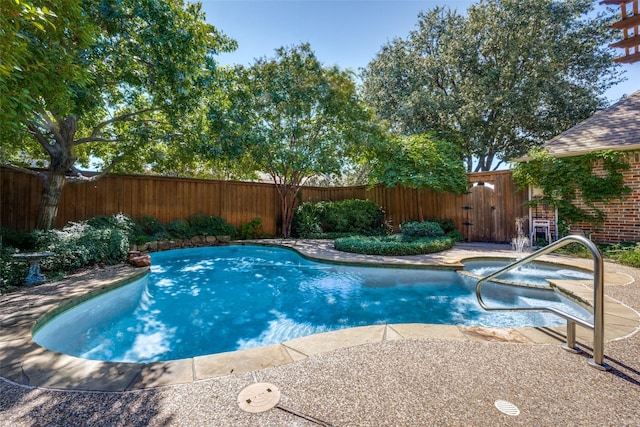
[524, 159]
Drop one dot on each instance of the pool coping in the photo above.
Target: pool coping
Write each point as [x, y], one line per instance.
[24, 362]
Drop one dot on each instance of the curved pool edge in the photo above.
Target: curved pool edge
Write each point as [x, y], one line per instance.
[23, 361]
[321, 250]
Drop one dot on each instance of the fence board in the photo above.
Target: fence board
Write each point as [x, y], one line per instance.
[493, 213]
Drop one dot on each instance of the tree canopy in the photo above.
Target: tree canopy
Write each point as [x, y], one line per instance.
[293, 119]
[504, 78]
[420, 161]
[110, 80]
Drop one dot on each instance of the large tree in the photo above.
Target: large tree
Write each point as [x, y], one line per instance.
[103, 80]
[504, 78]
[292, 118]
[419, 161]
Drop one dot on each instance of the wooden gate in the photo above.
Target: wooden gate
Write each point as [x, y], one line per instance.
[481, 213]
[490, 208]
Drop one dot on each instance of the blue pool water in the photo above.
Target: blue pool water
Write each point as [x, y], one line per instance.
[535, 273]
[210, 300]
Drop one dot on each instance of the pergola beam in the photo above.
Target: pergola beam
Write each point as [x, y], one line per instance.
[629, 24]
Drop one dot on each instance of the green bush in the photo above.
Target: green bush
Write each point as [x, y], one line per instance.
[629, 257]
[118, 221]
[347, 216]
[455, 235]
[307, 219]
[417, 230]
[179, 229]
[447, 224]
[150, 227]
[14, 272]
[623, 253]
[392, 245]
[203, 225]
[17, 239]
[251, 229]
[82, 244]
[354, 216]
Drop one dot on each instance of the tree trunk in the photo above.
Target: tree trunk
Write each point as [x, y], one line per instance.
[287, 214]
[52, 186]
[288, 199]
[58, 141]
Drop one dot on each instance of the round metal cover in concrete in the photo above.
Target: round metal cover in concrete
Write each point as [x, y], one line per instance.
[507, 407]
[258, 397]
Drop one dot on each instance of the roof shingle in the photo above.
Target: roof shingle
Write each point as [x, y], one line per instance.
[614, 128]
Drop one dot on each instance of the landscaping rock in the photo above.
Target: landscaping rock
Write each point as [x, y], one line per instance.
[138, 260]
[197, 240]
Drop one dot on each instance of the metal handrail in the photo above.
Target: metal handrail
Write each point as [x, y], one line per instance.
[598, 298]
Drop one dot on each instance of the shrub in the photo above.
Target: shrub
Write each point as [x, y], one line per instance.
[455, 235]
[179, 229]
[17, 239]
[14, 272]
[118, 221]
[82, 244]
[251, 229]
[447, 225]
[307, 220]
[416, 230]
[210, 226]
[315, 219]
[359, 216]
[623, 253]
[392, 245]
[151, 227]
[629, 257]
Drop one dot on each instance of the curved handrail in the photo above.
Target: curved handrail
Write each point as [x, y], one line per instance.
[598, 297]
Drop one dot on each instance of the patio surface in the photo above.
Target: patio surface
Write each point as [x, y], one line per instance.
[386, 375]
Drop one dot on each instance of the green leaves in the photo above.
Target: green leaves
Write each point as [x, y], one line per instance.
[418, 161]
[128, 71]
[291, 118]
[121, 82]
[506, 77]
[592, 179]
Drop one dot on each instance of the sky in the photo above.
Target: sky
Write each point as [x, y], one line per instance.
[346, 33]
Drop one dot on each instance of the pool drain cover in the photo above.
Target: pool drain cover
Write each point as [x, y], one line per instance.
[258, 397]
[507, 407]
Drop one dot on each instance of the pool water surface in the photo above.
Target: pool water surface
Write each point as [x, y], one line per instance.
[216, 299]
[535, 273]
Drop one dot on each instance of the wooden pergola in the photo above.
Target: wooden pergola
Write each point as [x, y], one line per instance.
[629, 23]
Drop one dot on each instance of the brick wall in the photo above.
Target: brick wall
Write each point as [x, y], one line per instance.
[623, 216]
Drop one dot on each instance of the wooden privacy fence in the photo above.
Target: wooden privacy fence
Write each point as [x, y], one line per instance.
[486, 213]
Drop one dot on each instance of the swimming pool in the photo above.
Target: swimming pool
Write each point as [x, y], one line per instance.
[216, 299]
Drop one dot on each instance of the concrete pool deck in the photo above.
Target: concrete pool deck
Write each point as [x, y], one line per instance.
[378, 375]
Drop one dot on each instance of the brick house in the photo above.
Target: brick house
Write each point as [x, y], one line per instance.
[615, 128]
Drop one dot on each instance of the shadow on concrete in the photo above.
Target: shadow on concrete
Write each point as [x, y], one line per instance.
[30, 406]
